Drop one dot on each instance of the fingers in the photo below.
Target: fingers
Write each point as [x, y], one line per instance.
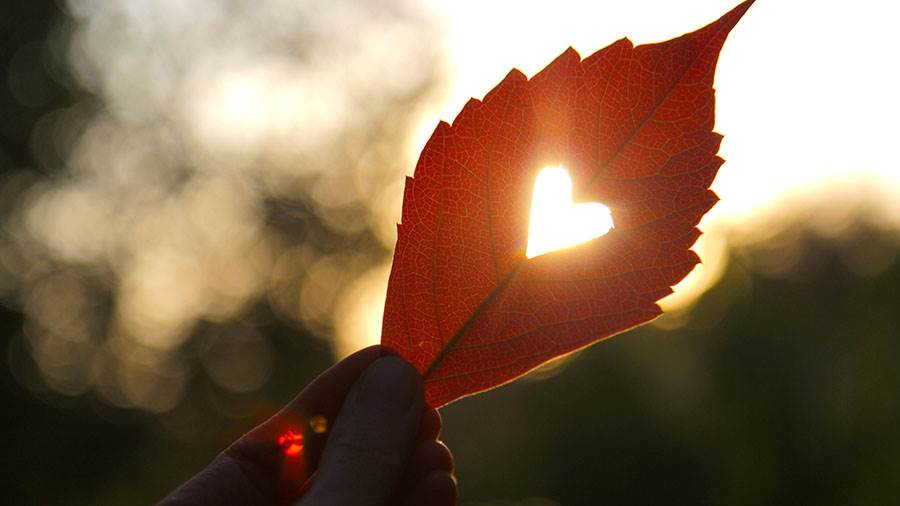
[430, 427]
[320, 402]
[372, 439]
[256, 468]
[428, 456]
[222, 483]
[378, 425]
[438, 488]
[428, 479]
[325, 394]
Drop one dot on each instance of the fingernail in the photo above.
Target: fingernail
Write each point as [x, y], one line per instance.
[390, 382]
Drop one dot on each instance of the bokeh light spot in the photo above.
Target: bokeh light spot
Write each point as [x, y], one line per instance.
[318, 424]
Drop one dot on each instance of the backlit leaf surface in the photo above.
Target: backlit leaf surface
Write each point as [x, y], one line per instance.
[633, 125]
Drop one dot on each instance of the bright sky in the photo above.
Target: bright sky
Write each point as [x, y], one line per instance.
[806, 98]
[805, 89]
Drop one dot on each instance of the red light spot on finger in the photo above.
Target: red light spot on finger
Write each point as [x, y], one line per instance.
[291, 443]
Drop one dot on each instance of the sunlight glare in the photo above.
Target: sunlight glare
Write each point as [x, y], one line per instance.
[556, 222]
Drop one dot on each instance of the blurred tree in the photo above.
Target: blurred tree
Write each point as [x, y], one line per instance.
[200, 176]
[776, 390]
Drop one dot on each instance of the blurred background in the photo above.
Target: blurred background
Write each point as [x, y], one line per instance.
[197, 211]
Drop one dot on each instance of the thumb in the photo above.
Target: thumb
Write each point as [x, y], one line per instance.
[372, 438]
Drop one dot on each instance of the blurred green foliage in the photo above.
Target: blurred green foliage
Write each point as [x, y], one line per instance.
[773, 391]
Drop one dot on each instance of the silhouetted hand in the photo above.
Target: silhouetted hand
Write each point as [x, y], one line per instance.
[359, 434]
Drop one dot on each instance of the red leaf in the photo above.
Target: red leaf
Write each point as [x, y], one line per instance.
[634, 127]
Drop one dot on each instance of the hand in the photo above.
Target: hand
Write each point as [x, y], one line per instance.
[380, 449]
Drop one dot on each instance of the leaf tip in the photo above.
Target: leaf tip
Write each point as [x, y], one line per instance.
[694, 258]
[570, 52]
[471, 105]
[515, 75]
[734, 15]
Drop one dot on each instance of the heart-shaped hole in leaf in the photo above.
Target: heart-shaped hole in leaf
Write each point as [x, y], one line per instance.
[557, 222]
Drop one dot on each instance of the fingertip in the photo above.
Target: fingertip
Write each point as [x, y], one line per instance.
[438, 488]
[317, 404]
[430, 426]
[367, 449]
[428, 456]
[375, 350]
[391, 382]
[434, 455]
[326, 392]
